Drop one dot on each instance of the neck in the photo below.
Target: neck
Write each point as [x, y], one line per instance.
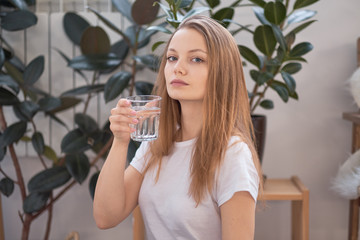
[191, 120]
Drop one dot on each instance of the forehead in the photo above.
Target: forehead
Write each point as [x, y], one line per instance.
[188, 38]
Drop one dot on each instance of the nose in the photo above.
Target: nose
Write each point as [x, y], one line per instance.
[179, 68]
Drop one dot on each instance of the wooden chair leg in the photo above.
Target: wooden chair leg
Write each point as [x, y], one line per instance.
[354, 219]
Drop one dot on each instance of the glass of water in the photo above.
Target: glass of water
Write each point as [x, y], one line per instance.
[147, 109]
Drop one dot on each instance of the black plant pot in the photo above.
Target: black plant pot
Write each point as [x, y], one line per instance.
[259, 123]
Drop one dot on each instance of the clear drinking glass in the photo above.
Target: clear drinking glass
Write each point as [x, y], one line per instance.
[147, 109]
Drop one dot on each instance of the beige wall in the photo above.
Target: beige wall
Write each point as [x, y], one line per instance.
[307, 138]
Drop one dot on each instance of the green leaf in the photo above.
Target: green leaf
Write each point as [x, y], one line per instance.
[2, 150]
[116, 85]
[213, 3]
[14, 72]
[291, 68]
[120, 49]
[303, 3]
[35, 201]
[66, 103]
[302, 26]
[67, 59]
[290, 81]
[264, 39]
[6, 80]
[38, 143]
[92, 184]
[86, 123]
[78, 166]
[95, 62]
[281, 90]
[150, 61]
[183, 3]
[300, 16]
[144, 11]
[7, 97]
[124, 7]
[34, 70]
[254, 74]
[74, 26]
[260, 3]
[2, 57]
[159, 29]
[10, 21]
[156, 45]
[13, 133]
[84, 90]
[6, 186]
[224, 13]
[267, 104]
[275, 12]
[94, 40]
[259, 13]
[301, 49]
[20, 4]
[50, 153]
[290, 39]
[75, 141]
[249, 55]
[49, 179]
[26, 110]
[49, 103]
[279, 36]
[143, 88]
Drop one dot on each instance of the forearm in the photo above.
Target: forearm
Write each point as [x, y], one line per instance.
[109, 200]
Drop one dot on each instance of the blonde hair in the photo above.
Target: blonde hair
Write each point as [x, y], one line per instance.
[226, 109]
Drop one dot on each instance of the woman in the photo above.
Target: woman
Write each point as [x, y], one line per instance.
[200, 178]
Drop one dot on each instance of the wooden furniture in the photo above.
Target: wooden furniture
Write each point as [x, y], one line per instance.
[355, 203]
[274, 190]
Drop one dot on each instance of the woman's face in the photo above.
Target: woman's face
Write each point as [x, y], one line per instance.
[186, 69]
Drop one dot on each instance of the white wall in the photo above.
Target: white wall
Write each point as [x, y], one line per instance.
[307, 138]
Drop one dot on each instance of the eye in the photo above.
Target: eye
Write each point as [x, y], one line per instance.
[171, 58]
[197, 60]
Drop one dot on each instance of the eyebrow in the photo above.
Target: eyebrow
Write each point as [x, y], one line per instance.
[190, 51]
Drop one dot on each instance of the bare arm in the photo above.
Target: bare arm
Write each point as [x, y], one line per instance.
[117, 189]
[238, 217]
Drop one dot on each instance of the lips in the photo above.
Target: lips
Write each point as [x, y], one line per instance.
[178, 82]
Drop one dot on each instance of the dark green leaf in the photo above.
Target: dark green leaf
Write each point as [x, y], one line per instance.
[124, 7]
[86, 123]
[259, 13]
[78, 165]
[2, 150]
[10, 21]
[291, 68]
[133, 146]
[151, 61]
[300, 16]
[254, 75]
[67, 59]
[213, 3]
[290, 39]
[75, 141]
[7, 97]
[281, 90]
[267, 104]
[303, 3]
[294, 95]
[34, 70]
[95, 62]
[94, 40]
[275, 12]
[6, 186]
[302, 26]
[144, 11]
[279, 36]
[156, 45]
[290, 81]
[66, 103]
[116, 85]
[49, 179]
[20, 4]
[50, 153]
[38, 143]
[159, 29]
[224, 13]
[49, 103]
[249, 55]
[13, 133]
[26, 110]
[2, 57]
[35, 201]
[74, 26]
[6, 80]
[260, 3]
[301, 49]
[92, 184]
[183, 3]
[84, 90]
[145, 35]
[120, 48]
[14, 72]
[143, 88]
[264, 39]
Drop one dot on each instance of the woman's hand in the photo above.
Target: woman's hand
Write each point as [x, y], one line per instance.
[121, 117]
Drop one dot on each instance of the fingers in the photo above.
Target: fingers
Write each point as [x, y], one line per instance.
[121, 116]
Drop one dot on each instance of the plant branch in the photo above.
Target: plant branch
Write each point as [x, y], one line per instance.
[49, 220]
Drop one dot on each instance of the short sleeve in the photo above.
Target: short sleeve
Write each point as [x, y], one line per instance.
[139, 160]
[237, 173]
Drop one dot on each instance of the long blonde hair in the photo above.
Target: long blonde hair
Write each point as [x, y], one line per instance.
[226, 109]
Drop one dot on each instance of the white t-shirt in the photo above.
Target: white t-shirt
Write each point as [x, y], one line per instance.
[167, 209]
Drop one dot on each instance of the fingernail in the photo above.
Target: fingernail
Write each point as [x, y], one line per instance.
[135, 120]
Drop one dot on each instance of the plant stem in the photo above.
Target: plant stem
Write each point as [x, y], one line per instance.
[26, 227]
[49, 220]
